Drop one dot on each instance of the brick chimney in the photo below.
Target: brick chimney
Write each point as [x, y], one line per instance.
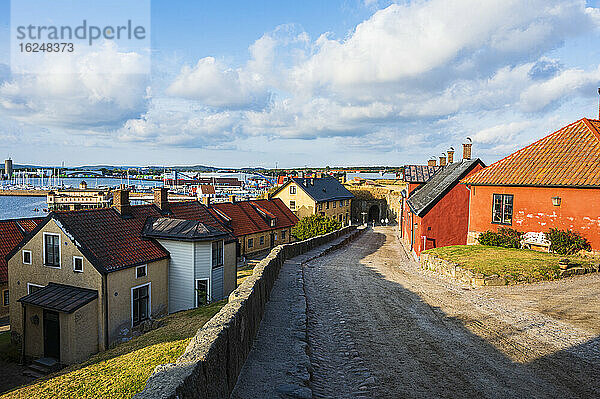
[206, 201]
[443, 159]
[431, 162]
[451, 155]
[467, 148]
[161, 198]
[121, 202]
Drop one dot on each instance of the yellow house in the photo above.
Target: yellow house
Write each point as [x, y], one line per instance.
[83, 280]
[324, 196]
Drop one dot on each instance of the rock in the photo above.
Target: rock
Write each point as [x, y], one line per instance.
[494, 280]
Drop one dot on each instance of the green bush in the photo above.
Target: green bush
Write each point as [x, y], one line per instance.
[315, 225]
[505, 237]
[566, 242]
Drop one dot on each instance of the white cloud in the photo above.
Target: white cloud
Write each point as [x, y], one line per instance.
[77, 93]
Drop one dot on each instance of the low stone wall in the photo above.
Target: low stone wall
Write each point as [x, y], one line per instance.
[213, 359]
[451, 269]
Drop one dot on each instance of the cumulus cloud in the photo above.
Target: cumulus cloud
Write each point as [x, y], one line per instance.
[79, 93]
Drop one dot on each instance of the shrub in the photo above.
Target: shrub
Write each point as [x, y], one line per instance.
[315, 225]
[566, 242]
[505, 237]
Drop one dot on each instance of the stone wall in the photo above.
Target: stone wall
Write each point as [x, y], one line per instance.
[210, 366]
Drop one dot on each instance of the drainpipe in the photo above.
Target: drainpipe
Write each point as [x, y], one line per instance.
[105, 299]
[23, 339]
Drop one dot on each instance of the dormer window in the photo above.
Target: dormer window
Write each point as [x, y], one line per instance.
[272, 222]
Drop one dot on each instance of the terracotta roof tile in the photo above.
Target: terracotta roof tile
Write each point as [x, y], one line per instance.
[12, 233]
[245, 217]
[568, 157]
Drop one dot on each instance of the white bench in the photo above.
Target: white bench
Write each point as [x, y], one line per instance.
[536, 241]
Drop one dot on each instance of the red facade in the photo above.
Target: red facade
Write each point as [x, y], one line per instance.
[446, 223]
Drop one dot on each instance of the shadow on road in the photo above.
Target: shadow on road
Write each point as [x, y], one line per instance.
[415, 350]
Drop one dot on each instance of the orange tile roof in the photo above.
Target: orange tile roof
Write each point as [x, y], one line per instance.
[11, 233]
[245, 217]
[569, 157]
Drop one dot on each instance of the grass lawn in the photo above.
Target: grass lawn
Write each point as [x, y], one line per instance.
[8, 351]
[242, 274]
[521, 264]
[122, 371]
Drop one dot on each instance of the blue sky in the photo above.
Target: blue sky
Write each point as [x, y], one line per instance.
[353, 82]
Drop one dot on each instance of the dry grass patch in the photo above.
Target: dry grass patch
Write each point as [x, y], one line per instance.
[518, 264]
[122, 371]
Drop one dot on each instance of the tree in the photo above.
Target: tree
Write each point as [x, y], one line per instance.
[315, 225]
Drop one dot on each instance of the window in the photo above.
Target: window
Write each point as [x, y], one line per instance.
[292, 205]
[502, 209]
[202, 292]
[250, 242]
[262, 240]
[292, 189]
[217, 253]
[31, 288]
[333, 204]
[77, 264]
[283, 235]
[141, 271]
[327, 205]
[140, 304]
[340, 217]
[52, 250]
[275, 237]
[320, 206]
[5, 298]
[27, 257]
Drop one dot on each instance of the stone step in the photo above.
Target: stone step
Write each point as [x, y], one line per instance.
[33, 374]
[39, 369]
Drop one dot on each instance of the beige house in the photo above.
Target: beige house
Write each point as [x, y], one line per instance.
[259, 225]
[78, 198]
[83, 280]
[324, 196]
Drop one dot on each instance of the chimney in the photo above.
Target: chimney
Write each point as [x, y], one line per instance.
[121, 202]
[443, 159]
[451, 155]
[206, 201]
[431, 162]
[467, 148]
[232, 198]
[161, 198]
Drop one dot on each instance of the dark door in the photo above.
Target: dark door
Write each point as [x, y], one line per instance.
[272, 240]
[51, 335]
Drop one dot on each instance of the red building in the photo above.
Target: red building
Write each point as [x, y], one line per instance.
[436, 213]
[554, 182]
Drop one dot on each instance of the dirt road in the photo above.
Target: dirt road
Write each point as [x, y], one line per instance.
[380, 327]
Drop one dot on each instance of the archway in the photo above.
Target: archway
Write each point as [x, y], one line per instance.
[373, 214]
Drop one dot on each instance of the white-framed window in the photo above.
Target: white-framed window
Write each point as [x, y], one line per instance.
[141, 303]
[250, 242]
[52, 250]
[31, 288]
[292, 205]
[141, 271]
[78, 264]
[217, 254]
[5, 298]
[202, 289]
[26, 257]
[292, 189]
[262, 240]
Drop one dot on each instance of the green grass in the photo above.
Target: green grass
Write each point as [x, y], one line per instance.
[521, 264]
[122, 371]
[8, 351]
[243, 274]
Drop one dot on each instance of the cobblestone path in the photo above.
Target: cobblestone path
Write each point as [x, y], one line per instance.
[378, 326]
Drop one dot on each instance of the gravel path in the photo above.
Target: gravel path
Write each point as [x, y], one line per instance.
[378, 326]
